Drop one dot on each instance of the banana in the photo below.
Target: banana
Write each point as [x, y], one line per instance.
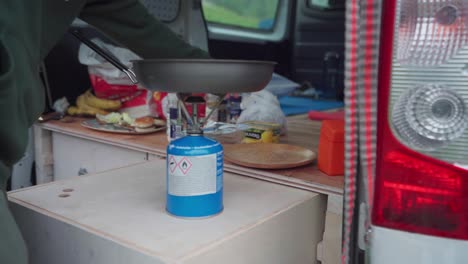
[89, 105]
[85, 108]
[73, 110]
[76, 111]
[104, 104]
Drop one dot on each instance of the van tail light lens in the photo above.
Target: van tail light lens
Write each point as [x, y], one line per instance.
[421, 195]
[430, 31]
[422, 121]
[429, 116]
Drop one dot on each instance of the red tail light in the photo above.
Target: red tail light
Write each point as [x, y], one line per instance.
[417, 186]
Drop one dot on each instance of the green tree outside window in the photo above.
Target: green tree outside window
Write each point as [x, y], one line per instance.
[251, 14]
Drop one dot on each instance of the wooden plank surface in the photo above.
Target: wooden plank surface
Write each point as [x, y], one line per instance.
[268, 155]
[152, 143]
[127, 206]
[301, 132]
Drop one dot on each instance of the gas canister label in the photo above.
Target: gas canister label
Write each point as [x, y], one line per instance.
[193, 175]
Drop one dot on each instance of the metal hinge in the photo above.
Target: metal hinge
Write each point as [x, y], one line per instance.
[365, 231]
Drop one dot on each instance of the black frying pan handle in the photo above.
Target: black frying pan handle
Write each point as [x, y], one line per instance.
[107, 56]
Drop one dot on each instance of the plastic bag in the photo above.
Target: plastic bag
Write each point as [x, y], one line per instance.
[101, 66]
[281, 86]
[107, 81]
[111, 83]
[262, 106]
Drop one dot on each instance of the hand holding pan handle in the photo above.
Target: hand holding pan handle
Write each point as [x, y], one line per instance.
[106, 55]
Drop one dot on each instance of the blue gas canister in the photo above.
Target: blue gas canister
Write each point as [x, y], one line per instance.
[194, 177]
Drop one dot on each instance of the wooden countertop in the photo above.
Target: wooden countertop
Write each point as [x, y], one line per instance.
[119, 215]
[301, 131]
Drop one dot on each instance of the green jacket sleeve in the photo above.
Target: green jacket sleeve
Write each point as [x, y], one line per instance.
[129, 23]
[12, 246]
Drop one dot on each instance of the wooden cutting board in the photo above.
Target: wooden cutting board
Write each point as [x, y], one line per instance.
[268, 155]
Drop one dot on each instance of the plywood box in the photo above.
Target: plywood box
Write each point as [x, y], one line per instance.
[118, 216]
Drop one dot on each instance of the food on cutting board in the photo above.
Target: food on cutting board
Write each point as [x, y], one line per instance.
[111, 118]
[261, 132]
[116, 118]
[126, 119]
[141, 124]
[87, 104]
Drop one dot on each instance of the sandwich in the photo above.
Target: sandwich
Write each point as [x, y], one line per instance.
[143, 124]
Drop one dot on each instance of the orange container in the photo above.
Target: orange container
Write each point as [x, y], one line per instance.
[331, 147]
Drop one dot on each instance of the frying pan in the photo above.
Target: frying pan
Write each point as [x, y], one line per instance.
[192, 75]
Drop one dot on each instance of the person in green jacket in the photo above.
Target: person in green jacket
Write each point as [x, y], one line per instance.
[28, 31]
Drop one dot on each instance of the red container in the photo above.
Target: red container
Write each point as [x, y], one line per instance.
[331, 148]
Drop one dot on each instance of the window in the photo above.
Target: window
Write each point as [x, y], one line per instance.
[247, 20]
[326, 4]
[247, 14]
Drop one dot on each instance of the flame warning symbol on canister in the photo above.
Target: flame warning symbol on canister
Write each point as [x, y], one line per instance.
[172, 164]
[185, 165]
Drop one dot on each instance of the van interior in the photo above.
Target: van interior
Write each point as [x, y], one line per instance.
[304, 37]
